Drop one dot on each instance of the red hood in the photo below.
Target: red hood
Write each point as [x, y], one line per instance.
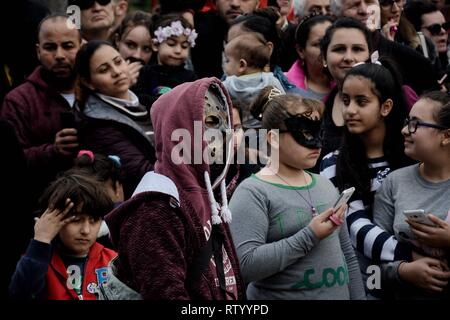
[177, 109]
[36, 78]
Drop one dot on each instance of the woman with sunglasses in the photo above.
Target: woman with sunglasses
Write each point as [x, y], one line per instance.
[424, 186]
[396, 27]
[427, 18]
[373, 111]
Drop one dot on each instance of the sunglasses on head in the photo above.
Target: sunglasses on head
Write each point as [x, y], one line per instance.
[86, 4]
[435, 29]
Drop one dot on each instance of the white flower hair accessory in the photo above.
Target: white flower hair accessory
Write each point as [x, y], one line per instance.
[175, 29]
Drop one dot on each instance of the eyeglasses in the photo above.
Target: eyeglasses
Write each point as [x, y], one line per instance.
[86, 4]
[390, 3]
[435, 29]
[412, 125]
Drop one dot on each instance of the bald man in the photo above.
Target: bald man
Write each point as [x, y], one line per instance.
[40, 110]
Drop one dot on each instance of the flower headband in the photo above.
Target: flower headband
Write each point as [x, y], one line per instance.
[175, 29]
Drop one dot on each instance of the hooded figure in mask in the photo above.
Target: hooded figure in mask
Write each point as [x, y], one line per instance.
[172, 236]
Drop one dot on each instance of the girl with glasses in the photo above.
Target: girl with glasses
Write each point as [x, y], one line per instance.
[424, 186]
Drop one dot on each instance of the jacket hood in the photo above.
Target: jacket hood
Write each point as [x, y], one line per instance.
[178, 121]
[179, 109]
[251, 84]
[177, 113]
[36, 78]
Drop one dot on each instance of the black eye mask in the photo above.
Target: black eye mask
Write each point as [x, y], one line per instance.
[306, 132]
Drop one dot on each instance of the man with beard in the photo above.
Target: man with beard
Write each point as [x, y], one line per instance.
[212, 28]
[40, 110]
[97, 18]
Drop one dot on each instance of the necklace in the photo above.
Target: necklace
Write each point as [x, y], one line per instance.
[310, 202]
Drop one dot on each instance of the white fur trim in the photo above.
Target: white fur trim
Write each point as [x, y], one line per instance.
[156, 182]
[104, 230]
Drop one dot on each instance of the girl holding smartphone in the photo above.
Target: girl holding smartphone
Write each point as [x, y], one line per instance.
[426, 186]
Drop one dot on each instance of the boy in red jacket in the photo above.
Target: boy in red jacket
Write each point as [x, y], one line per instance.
[64, 261]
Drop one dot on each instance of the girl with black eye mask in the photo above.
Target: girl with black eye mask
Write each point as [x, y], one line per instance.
[283, 214]
[306, 132]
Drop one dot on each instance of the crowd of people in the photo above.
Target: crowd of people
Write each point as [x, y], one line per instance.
[197, 150]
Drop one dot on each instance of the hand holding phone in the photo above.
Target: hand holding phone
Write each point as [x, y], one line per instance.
[66, 140]
[343, 199]
[67, 120]
[419, 216]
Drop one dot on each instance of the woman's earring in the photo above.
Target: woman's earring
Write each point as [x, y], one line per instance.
[325, 65]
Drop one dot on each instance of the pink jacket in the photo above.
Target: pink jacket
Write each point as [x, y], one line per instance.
[296, 75]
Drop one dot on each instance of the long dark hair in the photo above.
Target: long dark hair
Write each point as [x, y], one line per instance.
[306, 24]
[441, 113]
[352, 168]
[304, 29]
[83, 68]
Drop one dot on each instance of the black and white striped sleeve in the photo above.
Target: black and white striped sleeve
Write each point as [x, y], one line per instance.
[369, 239]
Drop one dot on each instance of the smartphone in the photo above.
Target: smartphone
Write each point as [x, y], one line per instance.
[343, 198]
[419, 216]
[67, 120]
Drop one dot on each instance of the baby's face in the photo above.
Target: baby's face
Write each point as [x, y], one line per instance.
[232, 62]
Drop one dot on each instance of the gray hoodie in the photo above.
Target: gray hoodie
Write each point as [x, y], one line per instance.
[245, 88]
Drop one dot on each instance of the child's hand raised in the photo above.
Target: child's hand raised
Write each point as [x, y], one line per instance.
[133, 69]
[51, 222]
[322, 226]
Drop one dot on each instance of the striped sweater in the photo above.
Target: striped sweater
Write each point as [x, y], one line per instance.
[369, 239]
